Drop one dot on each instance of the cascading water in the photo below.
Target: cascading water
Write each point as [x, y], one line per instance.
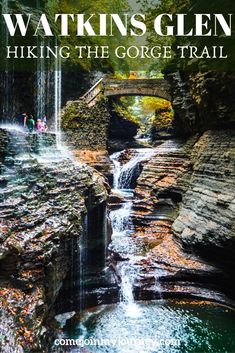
[120, 218]
[57, 95]
[7, 74]
[144, 326]
[41, 82]
[128, 274]
[49, 84]
[124, 176]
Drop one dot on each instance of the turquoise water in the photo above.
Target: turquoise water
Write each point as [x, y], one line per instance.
[153, 327]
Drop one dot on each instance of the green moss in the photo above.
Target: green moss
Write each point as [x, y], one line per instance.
[71, 116]
[159, 111]
[76, 113]
[163, 118]
[121, 110]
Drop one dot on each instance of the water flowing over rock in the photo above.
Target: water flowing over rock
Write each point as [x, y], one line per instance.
[147, 260]
[128, 166]
[46, 199]
[165, 181]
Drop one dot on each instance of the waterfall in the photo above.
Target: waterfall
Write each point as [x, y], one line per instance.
[41, 81]
[6, 82]
[8, 73]
[117, 168]
[82, 263]
[57, 95]
[120, 218]
[128, 274]
[124, 175]
[127, 295]
[48, 85]
[46, 81]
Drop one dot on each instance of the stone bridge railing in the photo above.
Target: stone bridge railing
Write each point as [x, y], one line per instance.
[91, 95]
[137, 87]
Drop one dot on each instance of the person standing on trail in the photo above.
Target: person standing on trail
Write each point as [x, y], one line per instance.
[21, 119]
[40, 126]
[30, 123]
[25, 116]
[44, 121]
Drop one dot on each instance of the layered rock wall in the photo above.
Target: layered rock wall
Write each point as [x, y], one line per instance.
[86, 128]
[98, 127]
[202, 101]
[44, 201]
[185, 209]
[206, 217]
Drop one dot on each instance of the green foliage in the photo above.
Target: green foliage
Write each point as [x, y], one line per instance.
[78, 113]
[128, 101]
[159, 110]
[52, 7]
[153, 8]
[93, 7]
[120, 75]
[71, 116]
[148, 111]
[121, 110]
[153, 104]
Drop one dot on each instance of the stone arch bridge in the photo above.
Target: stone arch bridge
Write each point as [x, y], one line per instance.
[137, 87]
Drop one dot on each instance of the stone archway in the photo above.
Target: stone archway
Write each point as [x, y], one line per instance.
[139, 87]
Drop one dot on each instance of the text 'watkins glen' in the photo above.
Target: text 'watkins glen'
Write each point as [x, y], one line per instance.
[125, 25]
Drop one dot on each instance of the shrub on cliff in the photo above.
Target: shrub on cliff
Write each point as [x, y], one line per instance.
[125, 114]
[77, 113]
[159, 110]
[86, 127]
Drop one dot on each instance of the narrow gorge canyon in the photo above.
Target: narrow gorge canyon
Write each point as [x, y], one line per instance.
[98, 225]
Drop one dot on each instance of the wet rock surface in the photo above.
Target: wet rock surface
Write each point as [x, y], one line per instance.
[44, 199]
[162, 183]
[121, 131]
[184, 189]
[97, 159]
[97, 127]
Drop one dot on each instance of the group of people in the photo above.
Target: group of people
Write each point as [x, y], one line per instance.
[32, 123]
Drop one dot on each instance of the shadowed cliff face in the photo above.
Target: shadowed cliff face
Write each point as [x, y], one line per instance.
[44, 200]
[206, 217]
[202, 101]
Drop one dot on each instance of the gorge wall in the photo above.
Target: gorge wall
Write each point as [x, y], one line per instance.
[98, 126]
[184, 209]
[86, 128]
[191, 179]
[92, 131]
[206, 218]
[45, 200]
[204, 104]
[202, 101]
